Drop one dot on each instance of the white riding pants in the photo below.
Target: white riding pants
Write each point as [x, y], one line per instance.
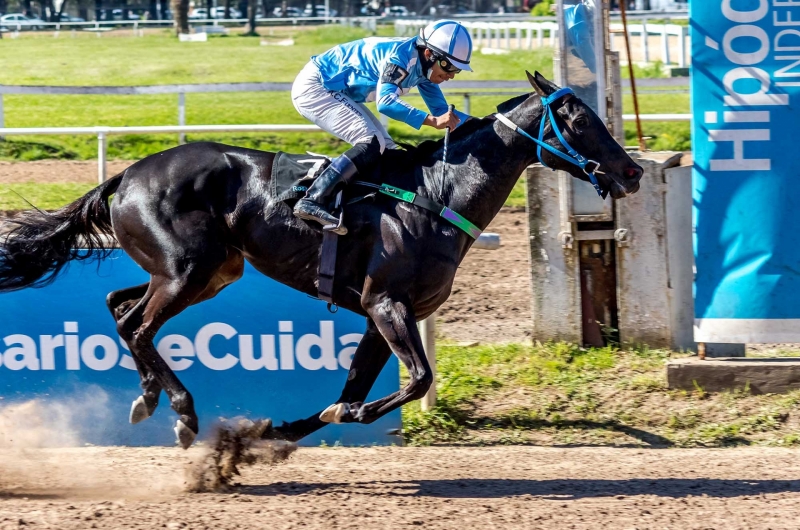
[336, 112]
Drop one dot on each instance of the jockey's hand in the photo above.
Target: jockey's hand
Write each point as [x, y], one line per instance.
[448, 119]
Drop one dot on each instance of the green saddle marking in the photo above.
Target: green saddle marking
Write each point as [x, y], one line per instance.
[443, 211]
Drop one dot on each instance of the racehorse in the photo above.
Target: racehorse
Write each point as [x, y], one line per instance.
[190, 216]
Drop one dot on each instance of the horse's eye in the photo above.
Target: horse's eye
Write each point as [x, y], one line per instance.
[581, 122]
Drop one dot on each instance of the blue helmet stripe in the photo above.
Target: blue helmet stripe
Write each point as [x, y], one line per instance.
[439, 25]
[453, 40]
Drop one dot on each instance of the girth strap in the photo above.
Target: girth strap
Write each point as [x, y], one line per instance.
[327, 266]
[423, 202]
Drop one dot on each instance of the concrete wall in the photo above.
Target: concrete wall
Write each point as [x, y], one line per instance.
[654, 262]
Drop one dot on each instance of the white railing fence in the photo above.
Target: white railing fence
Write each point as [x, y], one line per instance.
[502, 35]
[668, 43]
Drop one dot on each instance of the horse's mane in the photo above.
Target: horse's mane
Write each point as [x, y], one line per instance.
[396, 163]
[422, 151]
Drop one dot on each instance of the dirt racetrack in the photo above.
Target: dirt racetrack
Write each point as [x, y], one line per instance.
[392, 487]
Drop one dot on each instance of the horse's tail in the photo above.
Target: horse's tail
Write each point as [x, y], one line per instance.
[40, 244]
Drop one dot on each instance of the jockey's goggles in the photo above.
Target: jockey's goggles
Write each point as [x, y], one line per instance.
[447, 66]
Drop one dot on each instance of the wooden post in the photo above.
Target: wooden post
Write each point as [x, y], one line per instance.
[645, 49]
[101, 157]
[665, 45]
[181, 116]
[427, 329]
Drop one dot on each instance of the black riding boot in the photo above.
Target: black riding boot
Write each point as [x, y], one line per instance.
[358, 159]
[313, 207]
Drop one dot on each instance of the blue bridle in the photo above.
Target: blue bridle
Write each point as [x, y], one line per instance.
[573, 157]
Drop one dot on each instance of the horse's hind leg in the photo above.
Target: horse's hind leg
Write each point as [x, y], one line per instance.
[165, 298]
[119, 303]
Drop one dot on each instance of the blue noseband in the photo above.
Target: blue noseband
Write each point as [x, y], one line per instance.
[573, 157]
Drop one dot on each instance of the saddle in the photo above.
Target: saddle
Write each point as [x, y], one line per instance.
[292, 174]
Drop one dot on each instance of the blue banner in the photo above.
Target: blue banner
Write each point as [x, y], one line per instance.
[259, 349]
[745, 87]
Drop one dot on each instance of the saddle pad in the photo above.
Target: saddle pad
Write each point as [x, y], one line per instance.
[292, 174]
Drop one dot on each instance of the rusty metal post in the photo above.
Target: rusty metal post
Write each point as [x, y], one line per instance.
[642, 146]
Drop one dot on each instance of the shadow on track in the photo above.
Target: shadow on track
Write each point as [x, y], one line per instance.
[567, 489]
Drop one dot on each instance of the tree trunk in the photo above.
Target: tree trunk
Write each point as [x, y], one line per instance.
[251, 19]
[210, 8]
[152, 9]
[266, 6]
[180, 14]
[26, 8]
[227, 8]
[61, 10]
[3, 7]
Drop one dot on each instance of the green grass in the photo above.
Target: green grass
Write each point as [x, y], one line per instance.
[160, 59]
[44, 196]
[664, 136]
[556, 393]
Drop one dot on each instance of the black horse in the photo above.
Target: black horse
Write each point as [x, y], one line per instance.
[190, 216]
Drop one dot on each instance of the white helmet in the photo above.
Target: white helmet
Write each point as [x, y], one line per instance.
[449, 39]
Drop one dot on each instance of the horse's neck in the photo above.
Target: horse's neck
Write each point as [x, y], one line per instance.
[494, 158]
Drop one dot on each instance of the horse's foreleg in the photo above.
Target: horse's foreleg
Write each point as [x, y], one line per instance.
[368, 361]
[395, 320]
[119, 303]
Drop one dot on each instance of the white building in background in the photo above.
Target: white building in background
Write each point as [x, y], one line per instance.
[662, 5]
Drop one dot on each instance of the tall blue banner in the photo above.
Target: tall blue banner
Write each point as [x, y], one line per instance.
[745, 96]
[258, 349]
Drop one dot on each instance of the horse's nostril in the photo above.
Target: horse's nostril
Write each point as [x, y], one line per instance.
[633, 173]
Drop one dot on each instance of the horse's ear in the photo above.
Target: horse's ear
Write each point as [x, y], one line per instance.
[542, 86]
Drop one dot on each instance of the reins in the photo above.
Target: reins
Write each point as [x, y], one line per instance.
[573, 157]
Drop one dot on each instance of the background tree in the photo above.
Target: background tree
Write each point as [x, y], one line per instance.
[180, 14]
[227, 9]
[252, 6]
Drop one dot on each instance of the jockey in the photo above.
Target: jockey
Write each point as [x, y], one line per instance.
[332, 88]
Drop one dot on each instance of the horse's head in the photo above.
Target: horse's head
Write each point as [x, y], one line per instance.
[582, 130]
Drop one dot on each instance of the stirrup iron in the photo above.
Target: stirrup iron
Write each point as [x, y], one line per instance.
[338, 228]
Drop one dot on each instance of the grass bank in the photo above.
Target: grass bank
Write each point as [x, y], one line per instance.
[560, 394]
[158, 58]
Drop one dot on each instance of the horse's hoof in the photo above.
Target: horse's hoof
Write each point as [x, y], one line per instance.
[335, 413]
[139, 410]
[184, 434]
